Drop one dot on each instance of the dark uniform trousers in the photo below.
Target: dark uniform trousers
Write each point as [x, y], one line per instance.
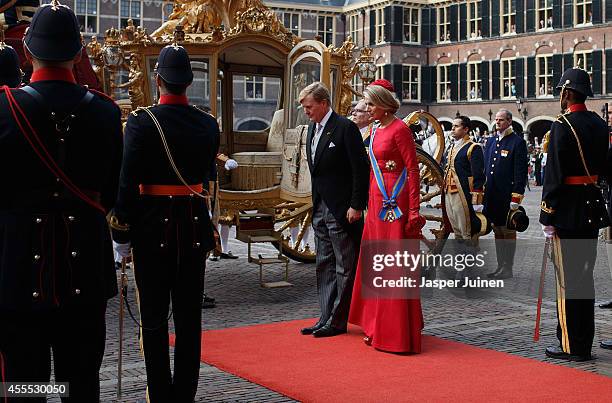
[171, 268]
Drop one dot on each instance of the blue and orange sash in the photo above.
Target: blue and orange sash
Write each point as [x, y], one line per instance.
[390, 210]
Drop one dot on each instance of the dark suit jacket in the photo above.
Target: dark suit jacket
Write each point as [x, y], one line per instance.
[340, 173]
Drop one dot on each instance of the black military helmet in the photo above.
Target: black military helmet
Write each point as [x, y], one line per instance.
[173, 65]
[54, 34]
[577, 80]
[10, 73]
[517, 220]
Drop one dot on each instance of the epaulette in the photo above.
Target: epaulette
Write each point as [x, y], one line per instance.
[114, 223]
[101, 94]
[558, 119]
[140, 108]
[203, 111]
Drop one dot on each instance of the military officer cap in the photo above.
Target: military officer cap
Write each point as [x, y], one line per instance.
[54, 33]
[485, 225]
[10, 73]
[577, 80]
[174, 66]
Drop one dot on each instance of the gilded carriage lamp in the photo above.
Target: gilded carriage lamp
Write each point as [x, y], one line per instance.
[367, 68]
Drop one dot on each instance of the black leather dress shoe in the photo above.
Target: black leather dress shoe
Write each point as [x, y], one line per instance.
[496, 272]
[328, 331]
[208, 302]
[606, 305]
[557, 352]
[502, 275]
[310, 330]
[607, 344]
[228, 255]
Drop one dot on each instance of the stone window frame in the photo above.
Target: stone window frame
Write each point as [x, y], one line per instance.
[254, 80]
[507, 17]
[511, 79]
[410, 83]
[547, 77]
[137, 20]
[443, 25]
[443, 86]
[88, 14]
[379, 25]
[476, 81]
[323, 33]
[411, 26]
[477, 20]
[290, 28]
[583, 8]
[547, 11]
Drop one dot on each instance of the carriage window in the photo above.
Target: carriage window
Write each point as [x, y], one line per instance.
[255, 101]
[303, 73]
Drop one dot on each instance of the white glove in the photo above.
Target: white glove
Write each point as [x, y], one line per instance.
[231, 164]
[514, 206]
[122, 249]
[548, 230]
[478, 208]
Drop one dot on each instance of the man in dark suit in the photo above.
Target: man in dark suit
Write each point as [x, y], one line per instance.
[59, 178]
[162, 213]
[572, 212]
[506, 170]
[339, 172]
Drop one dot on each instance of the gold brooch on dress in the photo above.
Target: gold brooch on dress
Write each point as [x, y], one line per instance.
[390, 165]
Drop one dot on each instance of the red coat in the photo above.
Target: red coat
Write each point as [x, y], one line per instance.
[394, 324]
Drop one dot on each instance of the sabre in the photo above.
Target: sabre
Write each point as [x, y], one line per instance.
[536, 333]
[123, 290]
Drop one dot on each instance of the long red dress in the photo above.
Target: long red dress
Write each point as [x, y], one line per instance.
[393, 324]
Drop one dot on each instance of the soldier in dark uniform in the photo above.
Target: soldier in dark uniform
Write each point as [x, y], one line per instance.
[168, 224]
[573, 211]
[60, 157]
[10, 73]
[506, 170]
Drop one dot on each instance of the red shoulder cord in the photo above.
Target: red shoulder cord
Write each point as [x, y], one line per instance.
[42, 152]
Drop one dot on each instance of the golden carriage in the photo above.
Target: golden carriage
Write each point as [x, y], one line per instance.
[243, 58]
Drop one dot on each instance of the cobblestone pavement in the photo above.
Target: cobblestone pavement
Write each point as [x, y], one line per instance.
[504, 321]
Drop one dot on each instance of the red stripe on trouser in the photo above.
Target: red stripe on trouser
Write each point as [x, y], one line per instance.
[3, 377]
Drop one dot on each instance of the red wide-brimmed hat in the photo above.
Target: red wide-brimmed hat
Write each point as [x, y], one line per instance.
[383, 83]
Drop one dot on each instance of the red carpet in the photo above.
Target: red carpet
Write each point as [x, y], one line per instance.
[343, 368]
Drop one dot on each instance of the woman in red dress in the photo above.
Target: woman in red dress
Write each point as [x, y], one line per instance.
[390, 324]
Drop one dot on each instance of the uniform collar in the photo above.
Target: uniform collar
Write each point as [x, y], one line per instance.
[577, 108]
[505, 133]
[52, 74]
[170, 99]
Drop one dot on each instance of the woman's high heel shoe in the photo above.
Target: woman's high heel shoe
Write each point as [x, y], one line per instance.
[367, 340]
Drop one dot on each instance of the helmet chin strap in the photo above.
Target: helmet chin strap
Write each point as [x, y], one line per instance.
[561, 95]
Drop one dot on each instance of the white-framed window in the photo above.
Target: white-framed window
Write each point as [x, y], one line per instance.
[379, 26]
[411, 90]
[87, 15]
[444, 83]
[508, 78]
[291, 21]
[254, 87]
[444, 24]
[474, 70]
[167, 8]
[353, 21]
[412, 18]
[474, 20]
[325, 29]
[584, 60]
[508, 17]
[130, 9]
[583, 12]
[544, 14]
[544, 76]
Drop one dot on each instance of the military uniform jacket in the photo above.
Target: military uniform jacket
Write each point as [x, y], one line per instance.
[53, 246]
[193, 139]
[575, 207]
[506, 174]
[466, 171]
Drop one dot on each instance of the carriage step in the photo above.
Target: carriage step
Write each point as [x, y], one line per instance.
[277, 284]
[263, 238]
[270, 260]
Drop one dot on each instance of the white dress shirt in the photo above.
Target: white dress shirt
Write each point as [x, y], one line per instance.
[318, 132]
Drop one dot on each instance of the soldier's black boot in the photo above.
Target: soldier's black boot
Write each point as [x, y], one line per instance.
[499, 253]
[509, 247]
